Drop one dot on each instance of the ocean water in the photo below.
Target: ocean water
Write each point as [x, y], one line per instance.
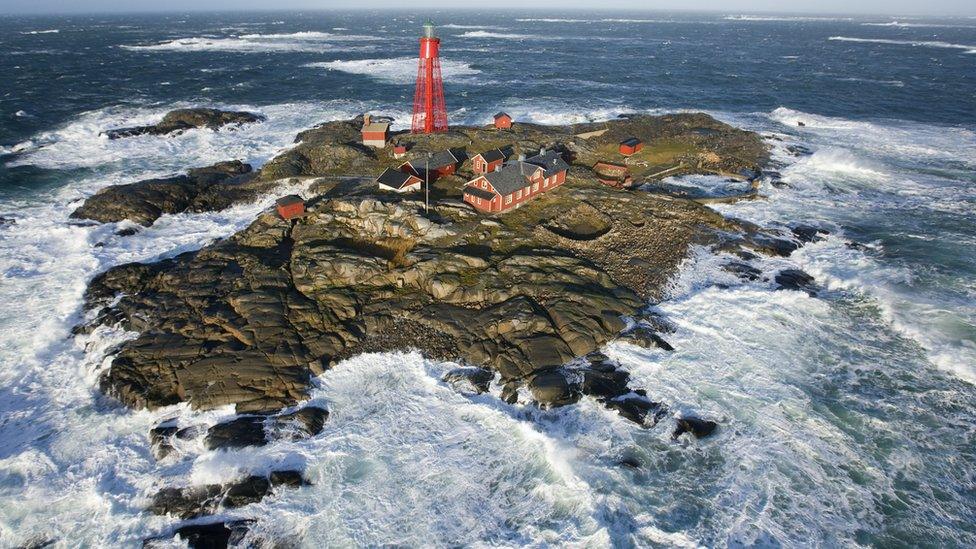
[845, 419]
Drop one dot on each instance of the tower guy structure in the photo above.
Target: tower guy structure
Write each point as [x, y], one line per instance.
[429, 110]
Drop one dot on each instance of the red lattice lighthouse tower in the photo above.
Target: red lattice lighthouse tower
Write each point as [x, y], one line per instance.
[429, 110]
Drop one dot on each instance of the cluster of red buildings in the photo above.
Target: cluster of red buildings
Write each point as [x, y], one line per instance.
[513, 183]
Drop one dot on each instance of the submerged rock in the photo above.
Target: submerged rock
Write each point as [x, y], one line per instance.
[808, 233]
[638, 408]
[742, 270]
[645, 337]
[181, 120]
[797, 280]
[259, 430]
[699, 427]
[198, 501]
[216, 535]
[469, 380]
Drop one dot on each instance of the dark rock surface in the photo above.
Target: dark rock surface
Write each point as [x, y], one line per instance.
[215, 535]
[184, 119]
[743, 270]
[554, 388]
[202, 189]
[197, 501]
[701, 428]
[470, 380]
[643, 336]
[797, 280]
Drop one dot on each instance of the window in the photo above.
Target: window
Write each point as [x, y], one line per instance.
[518, 195]
[545, 184]
[535, 187]
[477, 201]
[484, 184]
[508, 199]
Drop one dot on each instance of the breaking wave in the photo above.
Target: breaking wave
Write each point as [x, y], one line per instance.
[487, 34]
[400, 70]
[312, 42]
[916, 43]
[48, 31]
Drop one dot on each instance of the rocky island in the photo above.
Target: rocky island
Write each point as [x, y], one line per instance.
[523, 300]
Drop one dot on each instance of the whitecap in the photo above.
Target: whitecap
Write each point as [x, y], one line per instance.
[48, 31]
[488, 34]
[400, 70]
[308, 41]
[916, 43]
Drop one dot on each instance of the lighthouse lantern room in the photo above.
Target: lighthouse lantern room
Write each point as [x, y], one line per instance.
[429, 110]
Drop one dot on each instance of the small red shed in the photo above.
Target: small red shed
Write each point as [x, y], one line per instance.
[399, 150]
[503, 121]
[631, 146]
[290, 207]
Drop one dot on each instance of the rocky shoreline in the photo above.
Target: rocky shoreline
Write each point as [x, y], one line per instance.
[524, 300]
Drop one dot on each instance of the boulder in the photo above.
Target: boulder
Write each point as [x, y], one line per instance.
[469, 380]
[638, 408]
[808, 233]
[215, 535]
[699, 427]
[181, 120]
[237, 433]
[197, 501]
[554, 388]
[645, 337]
[145, 201]
[742, 270]
[796, 280]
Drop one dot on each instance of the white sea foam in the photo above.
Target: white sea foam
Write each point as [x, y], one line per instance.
[552, 20]
[453, 26]
[901, 24]
[783, 18]
[315, 42]
[400, 70]
[868, 174]
[48, 31]
[915, 43]
[78, 143]
[501, 35]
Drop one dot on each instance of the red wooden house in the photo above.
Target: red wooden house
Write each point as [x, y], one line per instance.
[631, 146]
[290, 207]
[488, 161]
[399, 150]
[516, 182]
[503, 121]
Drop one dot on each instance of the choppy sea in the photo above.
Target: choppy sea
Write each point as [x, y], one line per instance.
[846, 419]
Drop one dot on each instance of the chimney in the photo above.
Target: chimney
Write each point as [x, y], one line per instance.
[542, 151]
[521, 158]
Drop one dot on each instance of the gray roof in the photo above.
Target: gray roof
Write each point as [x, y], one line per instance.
[443, 158]
[288, 200]
[493, 155]
[501, 114]
[394, 178]
[508, 179]
[551, 161]
[479, 192]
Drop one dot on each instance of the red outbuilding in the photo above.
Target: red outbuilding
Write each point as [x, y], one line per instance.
[516, 182]
[290, 207]
[375, 133]
[503, 121]
[631, 146]
[399, 150]
[488, 161]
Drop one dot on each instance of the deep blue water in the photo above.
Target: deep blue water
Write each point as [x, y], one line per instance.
[847, 419]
